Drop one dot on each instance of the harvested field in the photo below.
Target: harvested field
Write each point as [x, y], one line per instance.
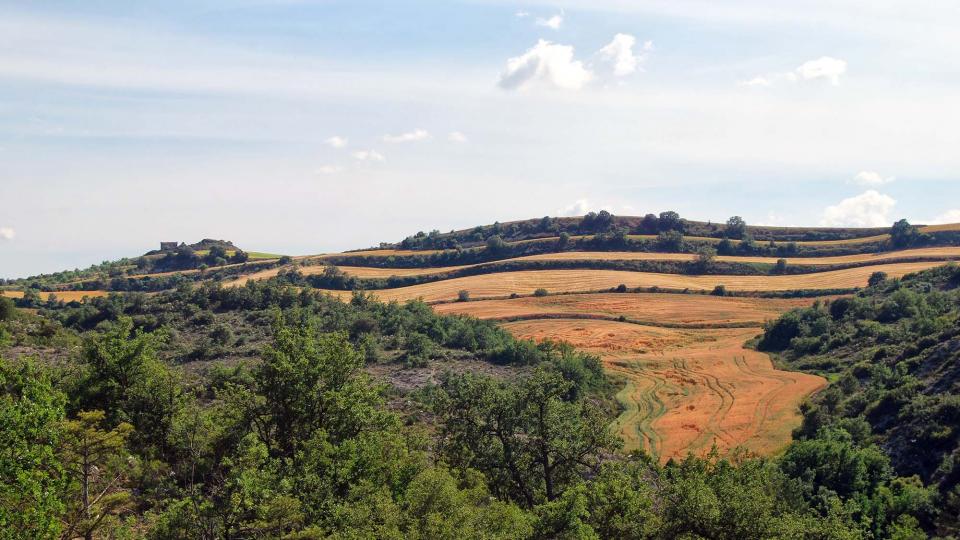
[940, 228]
[66, 296]
[525, 283]
[686, 390]
[659, 307]
[943, 253]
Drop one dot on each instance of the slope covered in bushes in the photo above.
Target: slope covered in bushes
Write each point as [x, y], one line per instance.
[893, 352]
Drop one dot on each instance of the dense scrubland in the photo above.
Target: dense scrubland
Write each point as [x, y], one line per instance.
[233, 399]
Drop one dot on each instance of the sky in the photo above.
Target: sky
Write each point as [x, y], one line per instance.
[298, 126]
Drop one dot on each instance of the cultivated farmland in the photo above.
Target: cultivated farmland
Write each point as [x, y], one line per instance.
[650, 308]
[688, 390]
[565, 281]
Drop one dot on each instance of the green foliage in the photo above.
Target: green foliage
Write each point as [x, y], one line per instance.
[7, 309]
[736, 227]
[529, 439]
[893, 352]
[31, 475]
[98, 466]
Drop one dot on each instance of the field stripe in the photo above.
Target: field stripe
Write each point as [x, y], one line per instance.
[557, 281]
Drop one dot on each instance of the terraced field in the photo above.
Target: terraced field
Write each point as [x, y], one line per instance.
[649, 308]
[565, 281]
[66, 296]
[687, 390]
[939, 253]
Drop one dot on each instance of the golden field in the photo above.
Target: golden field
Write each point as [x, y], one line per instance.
[564, 281]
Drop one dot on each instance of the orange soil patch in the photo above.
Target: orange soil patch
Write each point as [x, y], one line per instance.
[503, 284]
[687, 390]
[660, 307]
[66, 296]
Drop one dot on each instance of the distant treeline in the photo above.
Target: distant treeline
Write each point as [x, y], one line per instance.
[605, 222]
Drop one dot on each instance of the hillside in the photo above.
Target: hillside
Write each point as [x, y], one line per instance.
[894, 352]
[641, 347]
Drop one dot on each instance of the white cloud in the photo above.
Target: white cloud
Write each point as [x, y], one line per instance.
[457, 137]
[545, 63]
[757, 81]
[368, 155]
[336, 141]
[329, 169]
[950, 216]
[521, 14]
[411, 136]
[578, 208]
[871, 178]
[554, 22]
[619, 54]
[7, 233]
[825, 67]
[869, 209]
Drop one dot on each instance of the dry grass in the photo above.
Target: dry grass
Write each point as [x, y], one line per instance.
[524, 283]
[686, 390]
[940, 228]
[662, 308]
[66, 296]
[944, 253]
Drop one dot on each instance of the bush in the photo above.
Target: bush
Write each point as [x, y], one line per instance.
[540, 292]
[621, 288]
[780, 267]
[7, 309]
[876, 278]
[719, 290]
[463, 296]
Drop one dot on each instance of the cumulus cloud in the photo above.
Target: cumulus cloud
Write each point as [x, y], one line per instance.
[619, 54]
[545, 63]
[411, 136]
[578, 208]
[457, 137]
[950, 216]
[554, 22]
[553, 65]
[871, 178]
[823, 68]
[368, 155]
[329, 169]
[757, 81]
[7, 233]
[336, 142]
[869, 209]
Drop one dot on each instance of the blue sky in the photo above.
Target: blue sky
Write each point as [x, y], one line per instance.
[313, 126]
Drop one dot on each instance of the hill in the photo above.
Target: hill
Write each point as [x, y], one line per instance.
[628, 353]
[894, 352]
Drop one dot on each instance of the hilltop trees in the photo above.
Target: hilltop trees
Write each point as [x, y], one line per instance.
[903, 234]
[670, 221]
[736, 227]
